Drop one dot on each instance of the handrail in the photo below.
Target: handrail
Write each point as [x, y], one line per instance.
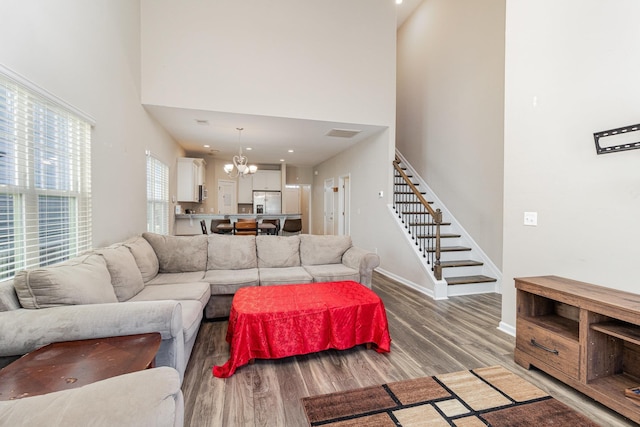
[436, 216]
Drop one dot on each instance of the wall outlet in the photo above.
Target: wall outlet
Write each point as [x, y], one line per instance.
[531, 218]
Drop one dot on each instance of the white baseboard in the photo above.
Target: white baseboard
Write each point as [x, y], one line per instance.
[508, 329]
[410, 284]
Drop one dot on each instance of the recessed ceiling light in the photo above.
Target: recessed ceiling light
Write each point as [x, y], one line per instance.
[206, 146]
[202, 122]
[282, 160]
[398, 1]
[248, 148]
[290, 151]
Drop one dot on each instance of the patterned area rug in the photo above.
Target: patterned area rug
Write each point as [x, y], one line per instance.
[492, 396]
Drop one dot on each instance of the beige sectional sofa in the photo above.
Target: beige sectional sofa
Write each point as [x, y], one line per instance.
[150, 283]
[157, 283]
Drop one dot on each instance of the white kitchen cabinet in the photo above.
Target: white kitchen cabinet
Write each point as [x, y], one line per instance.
[191, 173]
[267, 180]
[245, 189]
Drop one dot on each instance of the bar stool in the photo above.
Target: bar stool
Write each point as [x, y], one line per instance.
[275, 222]
[292, 226]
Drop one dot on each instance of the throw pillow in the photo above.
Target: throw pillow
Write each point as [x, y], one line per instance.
[145, 257]
[82, 280]
[125, 274]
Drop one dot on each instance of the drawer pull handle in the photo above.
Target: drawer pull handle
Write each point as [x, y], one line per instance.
[535, 344]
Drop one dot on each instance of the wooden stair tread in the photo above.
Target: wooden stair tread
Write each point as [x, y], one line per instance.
[460, 263]
[433, 236]
[412, 203]
[427, 224]
[415, 212]
[465, 280]
[450, 249]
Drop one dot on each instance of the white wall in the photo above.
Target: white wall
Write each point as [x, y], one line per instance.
[450, 109]
[87, 53]
[327, 60]
[321, 60]
[571, 70]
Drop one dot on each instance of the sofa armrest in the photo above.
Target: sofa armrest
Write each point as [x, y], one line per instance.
[24, 330]
[145, 398]
[363, 261]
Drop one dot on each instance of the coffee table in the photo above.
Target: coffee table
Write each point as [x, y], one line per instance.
[70, 364]
[270, 322]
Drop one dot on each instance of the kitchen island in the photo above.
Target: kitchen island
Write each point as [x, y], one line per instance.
[189, 224]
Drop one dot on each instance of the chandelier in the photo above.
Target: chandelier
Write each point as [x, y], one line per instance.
[239, 166]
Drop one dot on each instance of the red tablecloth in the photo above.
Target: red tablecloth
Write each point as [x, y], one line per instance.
[270, 322]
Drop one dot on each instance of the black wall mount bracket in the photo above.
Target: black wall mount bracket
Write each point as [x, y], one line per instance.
[619, 139]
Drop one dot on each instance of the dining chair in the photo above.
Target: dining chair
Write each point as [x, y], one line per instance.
[246, 220]
[246, 228]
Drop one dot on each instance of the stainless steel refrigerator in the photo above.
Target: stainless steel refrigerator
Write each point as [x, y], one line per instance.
[267, 202]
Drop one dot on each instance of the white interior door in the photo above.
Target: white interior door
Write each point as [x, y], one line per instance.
[227, 197]
[329, 208]
[344, 197]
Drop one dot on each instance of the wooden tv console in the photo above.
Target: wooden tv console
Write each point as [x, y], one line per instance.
[586, 336]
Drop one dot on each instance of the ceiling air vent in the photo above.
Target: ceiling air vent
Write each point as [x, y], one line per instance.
[343, 133]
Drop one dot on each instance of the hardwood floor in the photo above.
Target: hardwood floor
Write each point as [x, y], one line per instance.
[428, 337]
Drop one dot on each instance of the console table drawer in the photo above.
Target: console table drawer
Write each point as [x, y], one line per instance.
[552, 349]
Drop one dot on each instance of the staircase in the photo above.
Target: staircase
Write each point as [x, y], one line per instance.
[441, 244]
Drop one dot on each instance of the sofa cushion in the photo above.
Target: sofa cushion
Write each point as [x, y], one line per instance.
[225, 282]
[198, 291]
[166, 278]
[178, 254]
[192, 312]
[284, 276]
[81, 280]
[278, 251]
[332, 273]
[125, 274]
[231, 252]
[145, 257]
[319, 250]
[8, 298]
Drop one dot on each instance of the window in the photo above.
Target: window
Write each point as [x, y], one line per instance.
[45, 177]
[157, 195]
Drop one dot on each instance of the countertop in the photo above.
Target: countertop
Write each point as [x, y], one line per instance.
[232, 216]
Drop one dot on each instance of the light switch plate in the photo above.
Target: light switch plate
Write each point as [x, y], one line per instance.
[531, 218]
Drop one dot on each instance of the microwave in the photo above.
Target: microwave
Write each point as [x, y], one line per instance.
[202, 193]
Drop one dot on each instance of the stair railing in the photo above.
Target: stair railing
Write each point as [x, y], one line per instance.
[422, 220]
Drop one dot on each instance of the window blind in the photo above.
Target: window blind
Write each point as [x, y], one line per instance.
[157, 195]
[45, 179]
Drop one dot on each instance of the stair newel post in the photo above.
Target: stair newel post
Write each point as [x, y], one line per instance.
[437, 219]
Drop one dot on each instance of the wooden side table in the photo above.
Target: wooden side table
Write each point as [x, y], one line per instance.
[71, 364]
